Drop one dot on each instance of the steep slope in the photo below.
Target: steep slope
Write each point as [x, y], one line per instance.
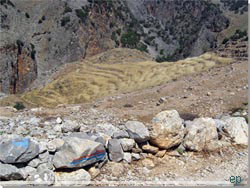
[94, 78]
[51, 33]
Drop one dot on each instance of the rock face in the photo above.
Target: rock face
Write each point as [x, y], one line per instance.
[115, 150]
[9, 172]
[236, 129]
[20, 68]
[137, 131]
[168, 129]
[77, 152]
[18, 150]
[201, 135]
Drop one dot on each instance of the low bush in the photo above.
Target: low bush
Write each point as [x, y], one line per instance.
[19, 106]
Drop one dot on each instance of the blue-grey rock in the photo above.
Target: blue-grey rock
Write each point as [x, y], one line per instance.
[137, 131]
[115, 150]
[77, 152]
[19, 150]
[10, 172]
[120, 134]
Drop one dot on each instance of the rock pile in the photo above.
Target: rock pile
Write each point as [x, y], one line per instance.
[42, 161]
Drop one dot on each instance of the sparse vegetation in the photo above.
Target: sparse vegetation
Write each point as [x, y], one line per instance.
[84, 85]
[142, 47]
[82, 14]
[65, 20]
[130, 39]
[27, 15]
[19, 106]
[67, 9]
[225, 40]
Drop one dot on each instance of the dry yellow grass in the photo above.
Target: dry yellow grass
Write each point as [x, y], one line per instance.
[86, 81]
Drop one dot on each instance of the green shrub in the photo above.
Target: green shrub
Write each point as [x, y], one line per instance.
[67, 9]
[161, 52]
[65, 20]
[113, 36]
[225, 40]
[118, 31]
[80, 13]
[163, 58]
[130, 39]
[19, 106]
[142, 47]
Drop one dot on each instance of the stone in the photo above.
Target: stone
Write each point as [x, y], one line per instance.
[117, 169]
[58, 120]
[42, 147]
[127, 157]
[115, 150]
[35, 162]
[55, 144]
[120, 134]
[174, 153]
[58, 128]
[27, 171]
[43, 166]
[127, 144]
[201, 134]
[167, 129]
[236, 128]
[106, 128]
[89, 136]
[143, 155]
[77, 177]
[135, 156]
[34, 121]
[94, 172]
[136, 150]
[70, 126]
[160, 153]
[44, 177]
[45, 157]
[18, 150]
[137, 131]
[150, 149]
[77, 152]
[10, 172]
[148, 163]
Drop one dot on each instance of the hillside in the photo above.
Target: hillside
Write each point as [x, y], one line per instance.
[113, 72]
[38, 37]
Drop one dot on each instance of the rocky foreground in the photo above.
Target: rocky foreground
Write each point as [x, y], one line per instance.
[87, 150]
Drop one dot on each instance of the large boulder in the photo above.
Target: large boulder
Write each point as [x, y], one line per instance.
[137, 131]
[115, 150]
[96, 137]
[201, 135]
[77, 152]
[9, 172]
[167, 129]
[236, 129]
[18, 150]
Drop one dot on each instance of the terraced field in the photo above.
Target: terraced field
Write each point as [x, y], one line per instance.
[104, 75]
